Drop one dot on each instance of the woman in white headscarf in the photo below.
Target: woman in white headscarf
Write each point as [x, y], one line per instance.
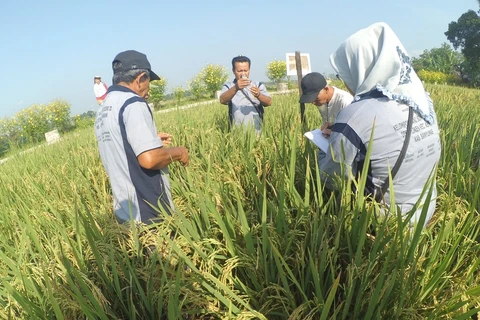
[377, 70]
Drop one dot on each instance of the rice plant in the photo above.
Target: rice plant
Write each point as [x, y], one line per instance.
[255, 234]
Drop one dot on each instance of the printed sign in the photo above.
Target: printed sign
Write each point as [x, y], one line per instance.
[292, 65]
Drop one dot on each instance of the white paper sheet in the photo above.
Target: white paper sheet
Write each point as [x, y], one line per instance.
[318, 139]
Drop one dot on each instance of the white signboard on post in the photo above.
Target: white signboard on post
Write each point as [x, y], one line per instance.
[292, 65]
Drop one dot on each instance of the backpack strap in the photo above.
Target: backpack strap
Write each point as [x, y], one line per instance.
[258, 107]
[230, 110]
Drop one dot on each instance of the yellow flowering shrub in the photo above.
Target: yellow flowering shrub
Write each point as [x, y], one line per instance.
[157, 91]
[213, 77]
[432, 76]
[31, 124]
[197, 86]
[276, 70]
[59, 110]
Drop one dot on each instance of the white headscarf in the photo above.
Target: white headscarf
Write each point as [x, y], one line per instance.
[375, 59]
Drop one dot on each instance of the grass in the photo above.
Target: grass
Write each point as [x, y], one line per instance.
[255, 234]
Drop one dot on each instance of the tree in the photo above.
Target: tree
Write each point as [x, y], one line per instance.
[59, 113]
[88, 114]
[84, 120]
[197, 86]
[4, 141]
[178, 92]
[157, 91]
[276, 71]
[443, 59]
[465, 34]
[213, 77]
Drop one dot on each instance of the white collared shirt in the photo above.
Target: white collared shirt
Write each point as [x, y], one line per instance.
[340, 100]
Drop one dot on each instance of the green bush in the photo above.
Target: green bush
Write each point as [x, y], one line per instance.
[432, 76]
[197, 86]
[277, 71]
[292, 84]
[58, 112]
[4, 146]
[454, 79]
[31, 124]
[83, 122]
[157, 91]
[213, 77]
[438, 77]
[178, 92]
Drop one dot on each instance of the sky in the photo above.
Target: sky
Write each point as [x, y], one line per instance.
[53, 49]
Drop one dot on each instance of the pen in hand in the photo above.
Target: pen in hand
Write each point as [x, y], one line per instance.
[326, 129]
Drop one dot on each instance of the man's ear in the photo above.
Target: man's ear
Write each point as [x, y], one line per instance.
[140, 78]
[137, 79]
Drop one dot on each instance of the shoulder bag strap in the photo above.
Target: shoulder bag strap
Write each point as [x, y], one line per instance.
[381, 191]
[257, 107]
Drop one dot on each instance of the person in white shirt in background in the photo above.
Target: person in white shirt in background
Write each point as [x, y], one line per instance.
[100, 89]
[329, 99]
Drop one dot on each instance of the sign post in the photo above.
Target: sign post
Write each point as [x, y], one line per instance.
[299, 64]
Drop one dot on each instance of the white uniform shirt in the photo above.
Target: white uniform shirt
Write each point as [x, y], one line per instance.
[340, 100]
[350, 140]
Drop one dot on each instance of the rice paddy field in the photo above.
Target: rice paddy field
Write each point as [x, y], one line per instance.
[254, 235]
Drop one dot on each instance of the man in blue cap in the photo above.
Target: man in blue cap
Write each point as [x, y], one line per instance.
[133, 153]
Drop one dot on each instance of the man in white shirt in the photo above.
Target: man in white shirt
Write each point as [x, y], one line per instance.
[246, 99]
[329, 100]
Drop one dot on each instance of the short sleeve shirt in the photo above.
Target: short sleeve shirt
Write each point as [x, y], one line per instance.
[124, 128]
[244, 113]
[340, 100]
